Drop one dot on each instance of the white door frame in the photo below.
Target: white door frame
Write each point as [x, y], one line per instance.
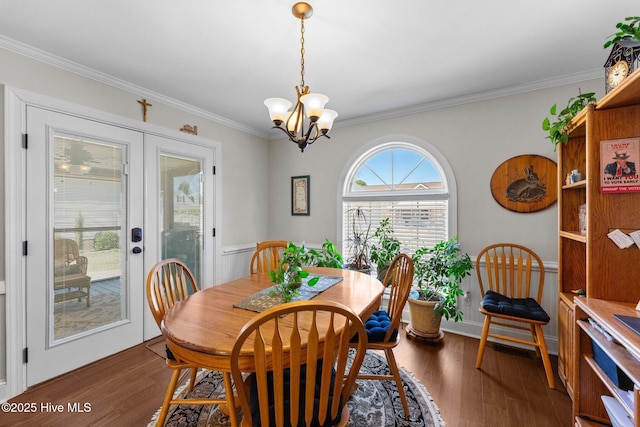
[15, 103]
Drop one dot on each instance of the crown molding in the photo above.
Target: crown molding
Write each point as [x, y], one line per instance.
[73, 67]
[476, 97]
[56, 61]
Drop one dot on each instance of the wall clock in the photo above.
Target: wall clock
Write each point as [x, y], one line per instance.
[623, 60]
[525, 183]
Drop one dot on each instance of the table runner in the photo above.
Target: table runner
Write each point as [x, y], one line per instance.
[260, 301]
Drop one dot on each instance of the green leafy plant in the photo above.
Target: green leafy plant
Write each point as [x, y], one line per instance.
[438, 272]
[289, 273]
[558, 129]
[386, 249]
[628, 30]
[327, 256]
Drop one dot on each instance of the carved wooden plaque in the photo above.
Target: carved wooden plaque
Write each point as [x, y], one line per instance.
[525, 183]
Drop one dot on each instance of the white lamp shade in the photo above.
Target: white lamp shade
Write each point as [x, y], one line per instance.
[314, 104]
[325, 122]
[278, 108]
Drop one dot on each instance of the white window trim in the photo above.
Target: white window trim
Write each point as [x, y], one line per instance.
[385, 142]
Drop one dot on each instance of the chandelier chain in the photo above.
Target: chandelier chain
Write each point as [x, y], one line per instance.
[302, 53]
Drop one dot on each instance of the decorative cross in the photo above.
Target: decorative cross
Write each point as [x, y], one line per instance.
[144, 104]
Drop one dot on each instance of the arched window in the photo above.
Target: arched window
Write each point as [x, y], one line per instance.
[408, 182]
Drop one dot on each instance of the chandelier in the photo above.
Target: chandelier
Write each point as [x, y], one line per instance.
[300, 130]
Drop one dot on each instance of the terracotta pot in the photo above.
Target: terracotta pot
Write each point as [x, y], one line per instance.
[425, 323]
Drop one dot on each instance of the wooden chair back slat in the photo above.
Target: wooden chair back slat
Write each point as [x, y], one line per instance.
[280, 343]
[169, 282]
[399, 276]
[509, 270]
[267, 256]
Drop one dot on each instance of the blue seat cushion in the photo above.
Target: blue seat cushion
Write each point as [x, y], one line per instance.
[377, 326]
[255, 406]
[527, 308]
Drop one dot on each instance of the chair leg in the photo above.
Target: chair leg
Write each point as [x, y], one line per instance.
[534, 336]
[483, 340]
[545, 356]
[228, 386]
[168, 396]
[393, 366]
[192, 379]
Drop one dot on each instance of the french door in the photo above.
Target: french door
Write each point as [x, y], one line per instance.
[104, 203]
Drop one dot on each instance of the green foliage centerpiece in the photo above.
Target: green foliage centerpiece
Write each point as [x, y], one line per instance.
[289, 273]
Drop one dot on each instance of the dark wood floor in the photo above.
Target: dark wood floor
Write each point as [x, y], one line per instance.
[127, 388]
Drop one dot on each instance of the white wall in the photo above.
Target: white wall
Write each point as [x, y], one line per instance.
[475, 139]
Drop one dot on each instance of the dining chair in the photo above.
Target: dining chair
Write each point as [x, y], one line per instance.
[267, 255]
[383, 326]
[511, 297]
[298, 356]
[169, 282]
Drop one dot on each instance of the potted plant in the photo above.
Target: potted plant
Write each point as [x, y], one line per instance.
[437, 274]
[386, 249]
[628, 33]
[289, 273]
[558, 130]
[358, 241]
[327, 256]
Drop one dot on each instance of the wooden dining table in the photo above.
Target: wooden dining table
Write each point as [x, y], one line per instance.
[202, 328]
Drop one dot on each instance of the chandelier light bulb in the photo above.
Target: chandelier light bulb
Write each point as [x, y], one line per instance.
[278, 109]
[325, 122]
[314, 105]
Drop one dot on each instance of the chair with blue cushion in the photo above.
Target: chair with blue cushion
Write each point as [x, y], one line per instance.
[511, 297]
[296, 356]
[382, 327]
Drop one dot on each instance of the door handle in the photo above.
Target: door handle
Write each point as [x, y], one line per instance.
[136, 250]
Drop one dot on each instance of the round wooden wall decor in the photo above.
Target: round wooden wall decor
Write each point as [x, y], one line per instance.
[525, 183]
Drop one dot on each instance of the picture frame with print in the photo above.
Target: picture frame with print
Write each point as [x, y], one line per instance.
[619, 160]
[300, 200]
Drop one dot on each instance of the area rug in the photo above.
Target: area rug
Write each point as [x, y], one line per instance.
[373, 404]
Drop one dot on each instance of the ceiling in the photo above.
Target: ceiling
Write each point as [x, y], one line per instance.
[373, 58]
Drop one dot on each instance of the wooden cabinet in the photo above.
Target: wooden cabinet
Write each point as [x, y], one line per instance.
[565, 352]
[618, 356]
[589, 260]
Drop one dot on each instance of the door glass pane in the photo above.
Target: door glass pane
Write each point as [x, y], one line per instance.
[181, 211]
[89, 195]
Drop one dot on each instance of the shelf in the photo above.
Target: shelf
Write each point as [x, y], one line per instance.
[619, 354]
[625, 94]
[579, 184]
[608, 383]
[573, 235]
[581, 422]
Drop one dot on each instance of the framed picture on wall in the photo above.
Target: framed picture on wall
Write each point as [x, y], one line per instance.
[619, 159]
[300, 195]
